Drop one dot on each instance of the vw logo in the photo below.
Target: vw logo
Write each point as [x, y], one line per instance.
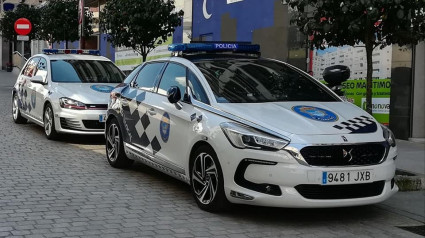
[346, 154]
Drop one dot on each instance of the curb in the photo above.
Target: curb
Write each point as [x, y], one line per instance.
[407, 181]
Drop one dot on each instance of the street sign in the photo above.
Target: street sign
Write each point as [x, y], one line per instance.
[22, 38]
[23, 26]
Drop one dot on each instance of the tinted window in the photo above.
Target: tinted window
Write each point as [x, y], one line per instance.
[174, 75]
[85, 71]
[148, 75]
[133, 74]
[260, 80]
[195, 86]
[31, 68]
[42, 68]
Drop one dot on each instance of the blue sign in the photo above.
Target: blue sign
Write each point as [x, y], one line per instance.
[164, 127]
[315, 113]
[102, 88]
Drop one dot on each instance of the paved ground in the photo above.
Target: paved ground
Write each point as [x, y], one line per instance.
[66, 188]
[411, 156]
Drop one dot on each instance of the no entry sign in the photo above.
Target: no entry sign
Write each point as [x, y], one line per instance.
[23, 26]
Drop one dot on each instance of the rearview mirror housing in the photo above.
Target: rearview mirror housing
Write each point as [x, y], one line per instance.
[174, 95]
[37, 79]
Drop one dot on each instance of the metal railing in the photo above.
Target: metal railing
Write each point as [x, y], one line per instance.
[18, 59]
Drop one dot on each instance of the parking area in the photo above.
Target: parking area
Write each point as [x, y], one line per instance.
[66, 188]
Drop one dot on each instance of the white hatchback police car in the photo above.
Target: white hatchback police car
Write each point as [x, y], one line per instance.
[244, 129]
[65, 91]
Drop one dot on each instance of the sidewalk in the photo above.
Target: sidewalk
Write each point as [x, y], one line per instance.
[411, 157]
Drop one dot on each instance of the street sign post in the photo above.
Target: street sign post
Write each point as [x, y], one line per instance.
[23, 27]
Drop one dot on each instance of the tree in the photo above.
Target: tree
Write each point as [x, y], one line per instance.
[139, 24]
[375, 23]
[60, 21]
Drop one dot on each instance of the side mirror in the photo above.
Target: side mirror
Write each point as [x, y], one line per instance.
[336, 75]
[37, 79]
[174, 95]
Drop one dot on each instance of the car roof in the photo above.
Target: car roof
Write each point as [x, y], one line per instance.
[73, 57]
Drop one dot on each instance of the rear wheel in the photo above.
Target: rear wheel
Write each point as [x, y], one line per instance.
[49, 123]
[114, 146]
[207, 182]
[16, 113]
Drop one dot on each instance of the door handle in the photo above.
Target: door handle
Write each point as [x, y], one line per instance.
[151, 111]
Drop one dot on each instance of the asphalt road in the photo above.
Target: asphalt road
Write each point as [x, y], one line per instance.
[67, 188]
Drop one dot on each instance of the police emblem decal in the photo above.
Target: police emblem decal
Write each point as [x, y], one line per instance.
[164, 127]
[102, 88]
[315, 113]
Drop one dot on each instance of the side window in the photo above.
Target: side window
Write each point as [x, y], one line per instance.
[148, 75]
[133, 74]
[31, 68]
[195, 86]
[174, 75]
[42, 68]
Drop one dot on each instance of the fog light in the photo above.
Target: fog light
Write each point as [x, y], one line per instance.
[241, 195]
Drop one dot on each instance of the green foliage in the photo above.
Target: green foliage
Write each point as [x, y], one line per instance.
[7, 23]
[346, 22]
[60, 21]
[139, 24]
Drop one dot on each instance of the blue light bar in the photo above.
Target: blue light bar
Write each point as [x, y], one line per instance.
[70, 51]
[214, 47]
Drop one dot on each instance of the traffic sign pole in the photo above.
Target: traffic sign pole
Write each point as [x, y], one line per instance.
[23, 27]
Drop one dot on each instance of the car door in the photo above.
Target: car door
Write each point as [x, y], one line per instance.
[26, 87]
[39, 91]
[172, 124]
[135, 118]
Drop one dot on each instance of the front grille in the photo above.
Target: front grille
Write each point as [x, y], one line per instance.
[97, 106]
[94, 124]
[314, 191]
[340, 155]
[69, 123]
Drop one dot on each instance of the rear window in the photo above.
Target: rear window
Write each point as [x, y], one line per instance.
[85, 71]
[260, 80]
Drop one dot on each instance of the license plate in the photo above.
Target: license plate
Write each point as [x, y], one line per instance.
[102, 118]
[347, 177]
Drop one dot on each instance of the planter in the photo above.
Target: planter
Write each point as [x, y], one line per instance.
[9, 68]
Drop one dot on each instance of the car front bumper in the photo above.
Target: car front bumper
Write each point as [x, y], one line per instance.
[294, 180]
[83, 122]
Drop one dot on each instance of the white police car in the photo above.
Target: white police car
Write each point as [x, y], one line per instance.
[244, 129]
[65, 91]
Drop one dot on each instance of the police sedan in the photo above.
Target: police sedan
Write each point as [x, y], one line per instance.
[65, 91]
[244, 129]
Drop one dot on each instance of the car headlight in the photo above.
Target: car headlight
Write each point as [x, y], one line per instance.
[246, 137]
[71, 104]
[388, 135]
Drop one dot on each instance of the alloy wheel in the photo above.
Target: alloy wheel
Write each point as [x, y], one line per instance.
[48, 121]
[113, 142]
[15, 108]
[205, 178]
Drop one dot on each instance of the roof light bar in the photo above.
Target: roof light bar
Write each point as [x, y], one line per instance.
[71, 51]
[214, 47]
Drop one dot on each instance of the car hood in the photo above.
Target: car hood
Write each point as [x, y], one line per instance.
[292, 118]
[88, 93]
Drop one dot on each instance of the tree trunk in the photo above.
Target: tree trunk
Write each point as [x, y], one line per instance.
[144, 55]
[66, 44]
[369, 50]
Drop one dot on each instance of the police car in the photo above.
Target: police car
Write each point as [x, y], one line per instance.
[240, 128]
[65, 91]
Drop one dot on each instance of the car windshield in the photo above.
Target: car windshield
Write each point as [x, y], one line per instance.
[85, 71]
[260, 80]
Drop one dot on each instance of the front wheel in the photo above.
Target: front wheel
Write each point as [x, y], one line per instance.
[207, 182]
[49, 123]
[16, 113]
[115, 153]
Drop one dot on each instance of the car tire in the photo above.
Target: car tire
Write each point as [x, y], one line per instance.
[115, 153]
[206, 180]
[16, 112]
[49, 123]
